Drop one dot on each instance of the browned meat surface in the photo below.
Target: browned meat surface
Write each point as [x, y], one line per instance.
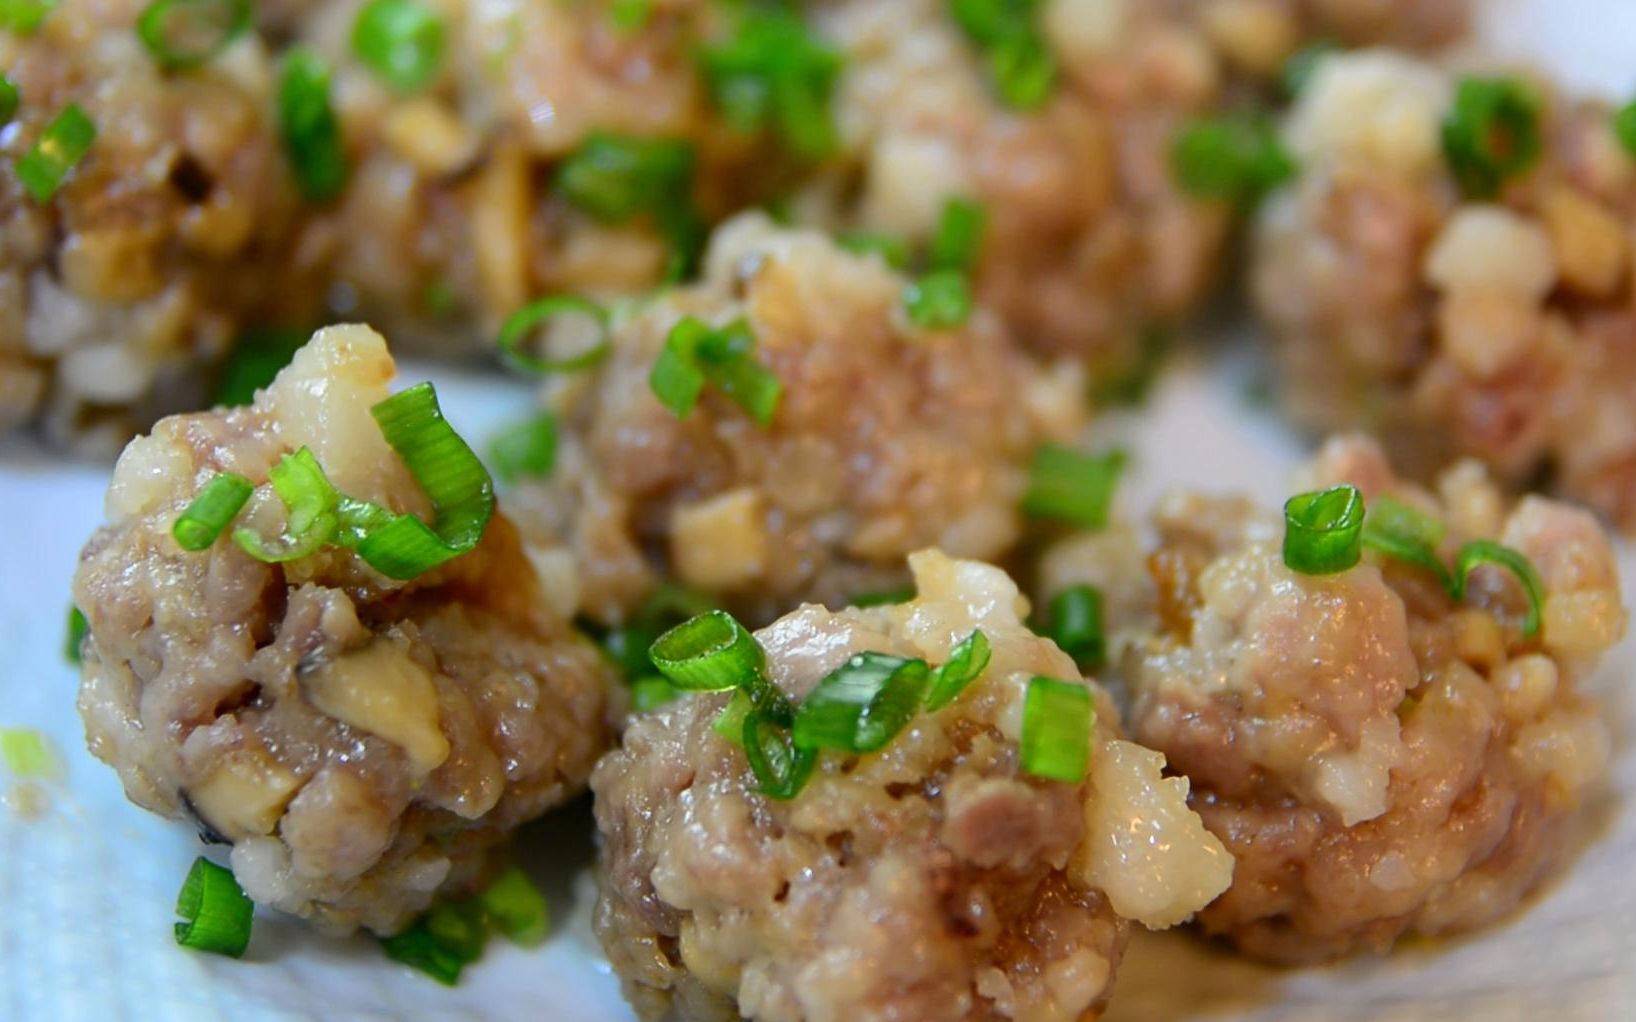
[362, 743]
[932, 880]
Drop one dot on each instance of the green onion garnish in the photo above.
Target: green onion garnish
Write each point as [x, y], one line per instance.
[616, 178]
[210, 512]
[215, 913]
[708, 653]
[24, 16]
[892, 248]
[883, 597]
[312, 511]
[401, 40]
[667, 606]
[861, 705]
[1019, 61]
[965, 664]
[307, 124]
[695, 353]
[729, 722]
[516, 908]
[1300, 65]
[1491, 134]
[525, 320]
[652, 692]
[630, 15]
[1068, 486]
[1075, 625]
[1323, 530]
[1481, 551]
[10, 98]
[59, 148]
[940, 300]
[77, 627]
[525, 450]
[1056, 730]
[1406, 534]
[773, 74]
[1624, 127]
[1133, 382]
[959, 235]
[433, 953]
[781, 768]
[1229, 157]
[258, 355]
[26, 752]
[186, 33]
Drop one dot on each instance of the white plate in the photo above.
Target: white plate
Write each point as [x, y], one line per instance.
[86, 892]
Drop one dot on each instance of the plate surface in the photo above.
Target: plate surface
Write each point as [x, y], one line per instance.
[86, 890]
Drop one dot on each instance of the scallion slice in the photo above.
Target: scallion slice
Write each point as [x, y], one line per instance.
[709, 653]
[1056, 731]
[1323, 530]
[1068, 486]
[10, 98]
[727, 357]
[940, 300]
[257, 357]
[527, 319]
[965, 664]
[1075, 625]
[1624, 127]
[863, 704]
[1492, 133]
[1229, 158]
[75, 639]
[729, 722]
[186, 33]
[525, 450]
[892, 248]
[959, 235]
[401, 40]
[677, 379]
[1478, 552]
[307, 124]
[60, 147]
[517, 908]
[1019, 61]
[773, 74]
[630, 15]
[211, 511]
[216, 915]
[883, 597]
[312, 511]
[1406, 534]
[27, 753]
[420, 948]
[781, 767]
[24, 16]
[615, 178]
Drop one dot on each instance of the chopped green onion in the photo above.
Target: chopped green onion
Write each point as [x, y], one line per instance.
[630, 15]
[215, 913]
[24, 16]
[440, 298]
[517, 908]
[307, 124]
[458, 485]
[677, 379]
[1406, 534]
[614, 178]
[187, 33]
[861, 705]
[1019, 61]
[77, 627]
[1323, 530]
[525, 450]
[1491, 134]
[1478, 552]
[1075, 625]
[402, 40]
[883, 597]
[695, 353]
[312, 508]
[27, 754]
[892, 248]
[211, 511]
[420, 948]
[730, 721]
[1300, 66]
[1133, 382]
[664, 608]
[708, 653]
[774, 74]
[1624, 127]
[781, 767]
[525, 320]
[458, 927]
[9, 100]
[59, 148]
[941, 300]
[652, 692]
[1228, 157]
[258, 355]
[1068, 486]
[959, 235]
[965, 664]
[1056, 730]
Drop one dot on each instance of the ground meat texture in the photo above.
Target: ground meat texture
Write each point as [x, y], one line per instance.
[932, 880]
[362, 743]
[887, 438]
[1500, 330]
[1379, 760]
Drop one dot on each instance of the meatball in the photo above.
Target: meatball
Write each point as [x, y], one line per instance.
[933, 880]
[362, 743]
[887, 438]
[1379, 760]
[1452, 327]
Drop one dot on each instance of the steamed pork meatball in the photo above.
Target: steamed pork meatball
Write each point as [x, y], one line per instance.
[1379, 760]
[1456, 324]
[886, 438]
[931, 880]
[362, 743]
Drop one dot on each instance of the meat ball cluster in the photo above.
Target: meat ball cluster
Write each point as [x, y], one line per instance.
[886, 438]
[362, 743]
[933, 880]
[1379, 760]
[1452, 326]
